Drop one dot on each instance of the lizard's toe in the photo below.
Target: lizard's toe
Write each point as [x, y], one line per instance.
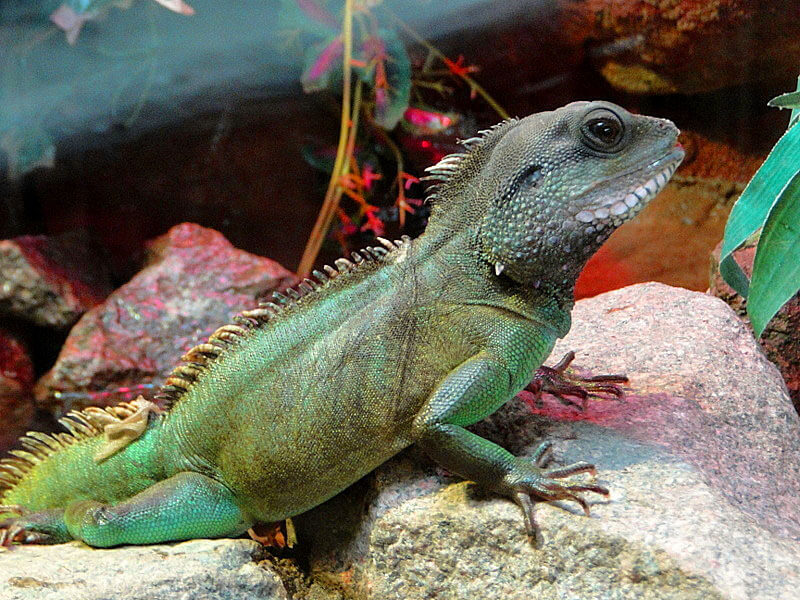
[537, 484]
[13, 532]
[572, 389]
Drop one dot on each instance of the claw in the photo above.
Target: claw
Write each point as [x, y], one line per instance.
[579, 500]
[542, 486]
[526, 504]
[565, 361]
[9, 535]
[597, 489]
[542, 454]
[557, 382]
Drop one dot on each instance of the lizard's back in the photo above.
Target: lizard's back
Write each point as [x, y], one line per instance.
[301, 409]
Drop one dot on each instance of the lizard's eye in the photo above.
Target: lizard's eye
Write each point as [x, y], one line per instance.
[602, 129]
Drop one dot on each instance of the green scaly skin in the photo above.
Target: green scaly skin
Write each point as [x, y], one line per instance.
[405, 348]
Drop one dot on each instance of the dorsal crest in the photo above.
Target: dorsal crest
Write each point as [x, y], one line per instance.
[450, 165]
[37, 447]
[196, 361]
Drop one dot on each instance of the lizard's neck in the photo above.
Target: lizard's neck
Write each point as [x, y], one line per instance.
[453, 255]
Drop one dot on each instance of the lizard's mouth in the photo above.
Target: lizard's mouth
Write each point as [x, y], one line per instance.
[637, 188]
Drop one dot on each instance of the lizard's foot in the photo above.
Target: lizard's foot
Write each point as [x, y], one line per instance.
[527, 481]
[562, 384]
[22, 529]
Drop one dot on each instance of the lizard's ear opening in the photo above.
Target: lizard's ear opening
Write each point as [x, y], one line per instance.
[524, 181]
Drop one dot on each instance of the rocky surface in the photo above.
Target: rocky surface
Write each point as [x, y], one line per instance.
[16, 383]
[195, 281]
[781, 338]
[207, 569]
[701, 460]
[51, 281]
[684, 46]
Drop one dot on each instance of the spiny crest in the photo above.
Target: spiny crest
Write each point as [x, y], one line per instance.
[197, 360]
[443, 171]
[81, 425]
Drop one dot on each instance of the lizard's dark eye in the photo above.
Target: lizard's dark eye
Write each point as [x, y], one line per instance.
[602, 129]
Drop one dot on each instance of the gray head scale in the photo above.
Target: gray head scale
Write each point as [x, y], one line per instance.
[560, 182]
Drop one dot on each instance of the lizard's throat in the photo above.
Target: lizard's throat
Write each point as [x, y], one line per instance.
[553, 261]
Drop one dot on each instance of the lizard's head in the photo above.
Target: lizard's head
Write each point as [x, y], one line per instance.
[558, 183]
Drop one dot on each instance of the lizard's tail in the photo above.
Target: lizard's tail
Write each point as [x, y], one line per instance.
[52, 470]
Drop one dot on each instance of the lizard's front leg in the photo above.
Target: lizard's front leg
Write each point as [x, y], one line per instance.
[471, 392]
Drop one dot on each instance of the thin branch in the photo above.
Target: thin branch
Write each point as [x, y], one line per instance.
[334, 193]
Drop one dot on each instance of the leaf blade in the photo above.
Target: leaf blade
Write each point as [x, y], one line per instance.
[776, 266]
[787, 100]
[754, 205]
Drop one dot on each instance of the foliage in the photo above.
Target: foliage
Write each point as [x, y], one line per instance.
[770, 202]
[373, 52]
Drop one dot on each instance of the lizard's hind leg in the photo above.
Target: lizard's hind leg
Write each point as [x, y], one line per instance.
[185, 506]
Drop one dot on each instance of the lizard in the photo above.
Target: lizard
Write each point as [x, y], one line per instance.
[410, 342]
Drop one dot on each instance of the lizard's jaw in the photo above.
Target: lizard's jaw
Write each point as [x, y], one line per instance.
[642, 185]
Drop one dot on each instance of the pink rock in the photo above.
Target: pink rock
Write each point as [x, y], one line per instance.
[781, 338]
[194, 282]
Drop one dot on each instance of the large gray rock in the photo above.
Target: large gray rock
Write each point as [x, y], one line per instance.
[701, 459]
[199, 569]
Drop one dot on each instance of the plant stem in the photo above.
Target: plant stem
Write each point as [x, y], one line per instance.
[398, 158]
[439, 54]
[334, 192]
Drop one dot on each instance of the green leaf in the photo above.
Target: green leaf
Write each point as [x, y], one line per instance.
[751, 210]
[789, 100]
[776, 268]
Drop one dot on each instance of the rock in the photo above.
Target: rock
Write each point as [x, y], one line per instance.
[195, 282]
[207, 569]
[701, 460]
[16, 384]
[671, 239]
[51, 281]
[781, 337]
[684, 46]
